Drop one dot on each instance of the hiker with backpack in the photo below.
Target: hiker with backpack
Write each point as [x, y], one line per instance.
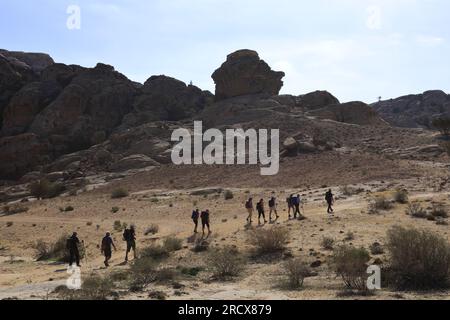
[260, 209]
[106, 248]
[329, 198]
[290, 205]
[74, 252]
[249, 207]
[273, 208]
[296, 201]
[195, 216]
[205, 216]
[129, 235]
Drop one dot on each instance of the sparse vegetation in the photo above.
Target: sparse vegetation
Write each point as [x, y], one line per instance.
[172, 244]
[44, 189]
[93, 288]
[443, 125]
[56, 251]
[296, 270]
[228, 195]
[350, 264]
[155, 251]
[225, 262]
[350, 236]
[420, 260]
[376, 249]
[115, 209]
[119, 193]
[270, 240]
[153, 229]
[328, 243]
[401, 196]
[9, 224]
[143, 272]
[439, 211]
[67, 209]
[119, 226]
[415, 210]
[15, 209]
[380, 204]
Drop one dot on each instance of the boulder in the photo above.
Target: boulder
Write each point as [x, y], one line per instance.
[244, 73]
[356, 112]
[317, 100]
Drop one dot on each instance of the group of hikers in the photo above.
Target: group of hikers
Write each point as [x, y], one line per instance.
[294, 202]
[107, 245]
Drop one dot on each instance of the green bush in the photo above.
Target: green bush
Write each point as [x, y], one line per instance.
[420, 260]
[350, 264]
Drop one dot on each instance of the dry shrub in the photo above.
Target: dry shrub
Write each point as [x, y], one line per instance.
[172, 244]
[271, 240]
[225, 262]
[44, 189]
[420, 260]
[119, 193]
[401, 196]
[350, 264]
[56, 251]
[328, 243]
[415, 210]
[296, 270]
[380, 204]
[153, 229]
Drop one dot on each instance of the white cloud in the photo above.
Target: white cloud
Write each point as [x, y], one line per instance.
[431, 41]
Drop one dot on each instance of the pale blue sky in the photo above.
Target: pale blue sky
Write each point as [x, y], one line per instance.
[356, 49]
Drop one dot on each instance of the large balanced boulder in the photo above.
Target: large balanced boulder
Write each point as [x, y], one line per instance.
[316, 100]
[244, 73]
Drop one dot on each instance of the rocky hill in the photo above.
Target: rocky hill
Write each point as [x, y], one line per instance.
[69, 122]
[414, 111]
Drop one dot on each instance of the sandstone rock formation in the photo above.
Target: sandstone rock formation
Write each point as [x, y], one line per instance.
[352, 112]
[244, 73]
[415, 111]
[36, 61]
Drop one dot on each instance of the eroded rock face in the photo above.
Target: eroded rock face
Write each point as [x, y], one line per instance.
[415, 111]
[92, 105]
[36, 61]
[244, 73]
[352, 112]
[165, 98]
[21, 154]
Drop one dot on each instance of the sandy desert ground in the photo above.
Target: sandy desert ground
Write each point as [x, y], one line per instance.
[156, 199]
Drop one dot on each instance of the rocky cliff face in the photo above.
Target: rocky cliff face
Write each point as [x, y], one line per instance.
[415, 111]
[72, 122]
[244, 73]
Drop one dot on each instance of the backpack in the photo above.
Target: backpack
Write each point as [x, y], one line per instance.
[248, 205]
[127, 235]
[328, 196]
[272, 203]
[194, 215]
